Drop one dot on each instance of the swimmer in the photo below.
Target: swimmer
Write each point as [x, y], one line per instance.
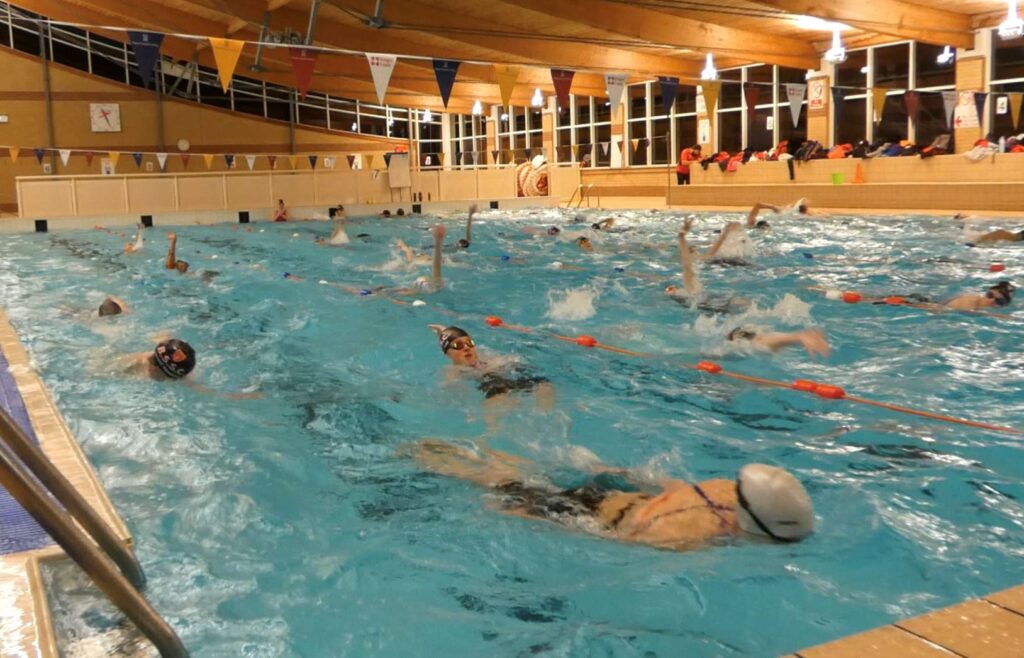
[1000, 235]
[763, 502]
[112, 306]
[1000, 294]
[281, 213]
[802, 208]
[752, 221]
[385, 213]
[584, 243]
[692, 288]
[603, 224]
[533, 230]
[813, 340]
[401, 212]
[171, 360]
[411, 257]
[338, 235]
[495, 380]
[135, 247]
[173, 263]
[468, 240]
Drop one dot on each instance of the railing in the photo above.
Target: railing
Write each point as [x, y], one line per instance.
[584, 193]
[53, 502]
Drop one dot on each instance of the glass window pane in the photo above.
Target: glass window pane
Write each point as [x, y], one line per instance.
[637, 101]
[892, 66]
[730, 136]
[537, 118]
[583, 110]
[373, 125]
[637, 131]
[686, 131]
[660, 140]
[731, 92]
[851, 128]
[1002, 125]
[853, 72]
[312, 115]
[893, 126]
[686, 99]
[1007, 58]
[602, 148]
[519, 118]
[762, 73]
[787, 130]
[759, 136]
[583, 135]
[929, 72]
[602, 110]
[931, 119]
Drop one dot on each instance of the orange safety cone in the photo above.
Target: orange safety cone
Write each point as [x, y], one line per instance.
[858, 176]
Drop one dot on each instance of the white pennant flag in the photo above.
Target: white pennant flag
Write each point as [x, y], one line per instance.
[381, 67]
[250, 160]
[65, 155]
[615, 84]
[949, 99]
[795, 93]
[161, 160]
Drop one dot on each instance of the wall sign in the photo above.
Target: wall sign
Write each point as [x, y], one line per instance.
[105, 117]
[816, 94]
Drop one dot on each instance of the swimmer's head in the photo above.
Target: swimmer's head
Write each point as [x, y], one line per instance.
[175, 358]
[595, 226]
[773, 503]
[1001, 293]
[762, 224]
[456, 344]
[583, 243]
[463, 243]
[110, 307]
[181, 266]
[802, 209]
[400, 213]
[739, 333]
[386, 213]
[671, 290]
[554, 230]
[960, 215]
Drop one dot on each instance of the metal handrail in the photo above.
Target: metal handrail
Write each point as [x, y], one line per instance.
[55, 482]
[579, 188]
[17, 478]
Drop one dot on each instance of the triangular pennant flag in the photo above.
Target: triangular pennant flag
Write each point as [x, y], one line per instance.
[444, 71]
[272, 159]
[440, 158]
[912, 100]
[293, 160]
[1015, 102]
[795, 92]
[312, 161]
[751, 94]
[669, 89]
[114, 157]
[161, 160]
[229, 160]
[979, 103]
[510, 156]
[605, 147]
[39, 155]
[351, 160]
[226, 53]
[949, 101]
[303, 63]
[185, 157]
[208, 160]
[615, 84]
[562, 79]
[146, 46]
[506, 77]
[250, 160]
[89, 155]
[838, 94]
[623, 144]
[494, 156]
[381, 67]
[878, 102]
[387, 160]
[635, 143]
[710, 89]
[138, 159]
[14, 151]
[65, 155]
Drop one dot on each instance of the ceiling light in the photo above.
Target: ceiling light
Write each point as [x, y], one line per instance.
[946, 56]
[427, 116]
[504, 116]
[478, 107]
[709, 72]
[1013, 26]
[865, 69]
[355, 127]
[538, 99]
[836, 54]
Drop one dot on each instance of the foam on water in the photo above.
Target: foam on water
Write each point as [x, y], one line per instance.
[573, 303]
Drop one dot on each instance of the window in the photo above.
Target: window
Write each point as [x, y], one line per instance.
[636, 127]
[1007, 58]
[312, 110]
[931, 74]
[1007, 76]
[851, 114]
[430, 141]
[786, 130]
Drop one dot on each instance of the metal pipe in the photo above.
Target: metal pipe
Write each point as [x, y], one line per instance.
[313, 9]
[292, 109]
[29, 453]
[264, 29]
[159, 91]
[48, 100]
[16, 478]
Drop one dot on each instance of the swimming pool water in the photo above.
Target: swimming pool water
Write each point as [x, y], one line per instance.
[288, 526]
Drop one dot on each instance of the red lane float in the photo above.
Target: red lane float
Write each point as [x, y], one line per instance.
[852, 297]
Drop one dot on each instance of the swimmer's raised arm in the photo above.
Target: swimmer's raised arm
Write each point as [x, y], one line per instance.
[469, 223]
[438, 232]
[756, 210]
[690, 282]
[603, 224]
[173, 239]
[812, 340]
[730, 228]
[407, 253]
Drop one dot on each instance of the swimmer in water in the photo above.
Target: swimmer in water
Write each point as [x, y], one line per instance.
[412, 258]
[468, 240]
[338, 235]
[604, 224]
[692, 289]
[495, 380]
[999, 235]
[763, 502]
[551, 230]
[173, 263]
[137, 246]
[422, 285]
[1000, 294]
[813, 340]
[112, 306]
[752, 221]
[171, 360]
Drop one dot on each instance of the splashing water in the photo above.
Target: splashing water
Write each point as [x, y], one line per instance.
[572, 304]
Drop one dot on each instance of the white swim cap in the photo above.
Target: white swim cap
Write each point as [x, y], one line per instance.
[773, 503]
[832, 293]
[419, 302]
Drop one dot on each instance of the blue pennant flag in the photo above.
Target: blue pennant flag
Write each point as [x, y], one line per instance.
[229, 160]
[146, 46]
[669, 89]
[444, 71]
[312, 162]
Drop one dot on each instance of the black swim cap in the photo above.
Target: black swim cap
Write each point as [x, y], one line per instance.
[595, 226]
[463, 243]
[554, 230]
[802, 208]
[762, 224]
[110, 307]
[739, 333]
[175, 358]
[448, 335]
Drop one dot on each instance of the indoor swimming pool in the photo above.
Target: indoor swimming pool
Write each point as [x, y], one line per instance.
[289, 525]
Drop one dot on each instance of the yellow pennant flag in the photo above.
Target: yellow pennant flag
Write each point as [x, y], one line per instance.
[878, 102]
[226, 53]
[208, 159]
[293, 160]
[372, 161]
[440, 158]
[114, 157]
[506, 77]
[635, 143]
[710, 88]
[14, 151]
[510, 156]
[1015, 102]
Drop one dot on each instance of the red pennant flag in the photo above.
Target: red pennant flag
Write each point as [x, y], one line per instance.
[185, 157]
[89, 155]
[912, 100]
[562, 80]
[751, 92]
[303, 63]
[351, 160]
[272, 159]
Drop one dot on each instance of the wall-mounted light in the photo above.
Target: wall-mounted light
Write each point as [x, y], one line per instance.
[1013, 26]
[836, 54]
[709, 72]
[946, 56]
[478, 107]
[538, 99]
[427, 116]
[504, 116]
[355, 127]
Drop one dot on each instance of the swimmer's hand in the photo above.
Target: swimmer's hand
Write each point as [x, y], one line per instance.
[439, 231]
[172, 236]
[815, 343]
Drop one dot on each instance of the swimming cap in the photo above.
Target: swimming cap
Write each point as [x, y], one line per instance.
[110, 307]
[554, 230]
[447, 336]
[175, 358]
[773, 503]
[463, 243]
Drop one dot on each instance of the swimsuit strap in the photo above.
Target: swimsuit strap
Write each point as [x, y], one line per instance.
[715, 508]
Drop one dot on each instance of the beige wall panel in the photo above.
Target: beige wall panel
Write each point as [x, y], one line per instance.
[458, 185]
[563, 181]
[101, 196]
[428, 184]
[970, 76]
[375, 190]
[337, 187]
[249, 191]
[47, 198]
[295, 189]
[151, 195]
[200, 193]
[497, 183]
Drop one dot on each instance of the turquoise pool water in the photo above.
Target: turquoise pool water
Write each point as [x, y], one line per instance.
[287, 526]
